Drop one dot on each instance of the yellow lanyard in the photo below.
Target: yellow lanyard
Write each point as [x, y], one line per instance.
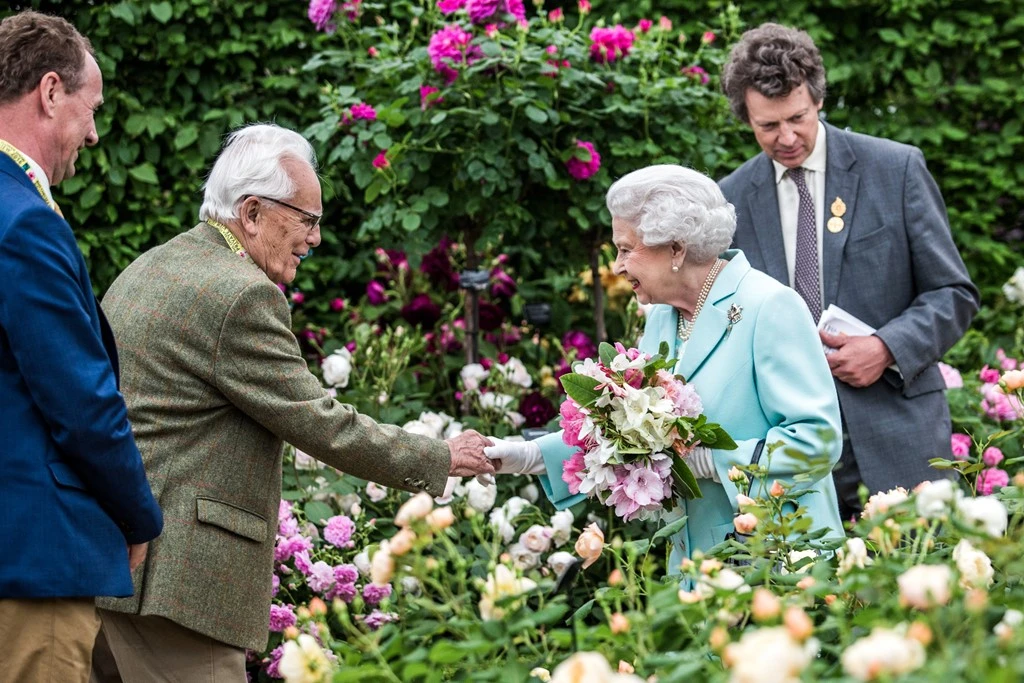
[19, 158]
[232, 241]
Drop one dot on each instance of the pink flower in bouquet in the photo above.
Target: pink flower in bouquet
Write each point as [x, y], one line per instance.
[633, 377]
[631, 354]
[961, 444]
[375, 293]
[338, 531]
[951, 376]
[427, 98]
[581, 170]
[992, 456]
[320, 13]
[645, 25]
[640, 488]
[991, 479]
[989, 375]
[281, 617]
[363, 111]
[571, 424]
[609, 44]
[572, 471]
[683, 396]
[1005, 362]
[450, 6]
[448, 47]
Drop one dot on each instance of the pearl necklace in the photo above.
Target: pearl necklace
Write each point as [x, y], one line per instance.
[685, 330]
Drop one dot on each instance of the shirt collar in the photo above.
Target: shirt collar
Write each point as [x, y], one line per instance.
[815, 162]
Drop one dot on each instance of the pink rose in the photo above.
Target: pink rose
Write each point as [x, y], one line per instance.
[961, 445]
[991, 479]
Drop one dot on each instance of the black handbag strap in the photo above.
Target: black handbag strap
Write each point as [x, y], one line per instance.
[754, 460]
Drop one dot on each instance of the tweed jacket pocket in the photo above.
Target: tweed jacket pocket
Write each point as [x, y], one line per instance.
[65, 476]
[232, 518]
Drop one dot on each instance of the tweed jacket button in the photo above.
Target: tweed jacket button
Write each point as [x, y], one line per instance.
[408, 480]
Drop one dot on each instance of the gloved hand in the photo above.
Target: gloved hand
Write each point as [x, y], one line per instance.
[699, 460]
[517, 457]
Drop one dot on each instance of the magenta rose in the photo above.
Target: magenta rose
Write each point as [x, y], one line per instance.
[536, 409]
[422, 311]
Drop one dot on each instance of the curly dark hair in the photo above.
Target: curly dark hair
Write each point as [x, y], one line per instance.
[773, 60]
[34, 44]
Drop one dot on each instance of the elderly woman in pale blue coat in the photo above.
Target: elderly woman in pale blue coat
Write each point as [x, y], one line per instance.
[744, 341]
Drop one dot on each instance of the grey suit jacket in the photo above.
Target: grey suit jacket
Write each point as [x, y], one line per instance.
[894, 266]
[214, 382]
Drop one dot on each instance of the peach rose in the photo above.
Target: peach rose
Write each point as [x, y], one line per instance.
[590, 544]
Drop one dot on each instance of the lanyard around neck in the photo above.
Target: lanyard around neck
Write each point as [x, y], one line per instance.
[232, 241]
[19, 158]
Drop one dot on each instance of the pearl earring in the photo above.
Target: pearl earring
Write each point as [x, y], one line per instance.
[675, 269]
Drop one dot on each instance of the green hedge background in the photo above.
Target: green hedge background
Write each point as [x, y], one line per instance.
[944, 75]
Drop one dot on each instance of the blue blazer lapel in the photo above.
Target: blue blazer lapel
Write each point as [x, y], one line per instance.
[713, 322]
[842, 183]
[763, 203]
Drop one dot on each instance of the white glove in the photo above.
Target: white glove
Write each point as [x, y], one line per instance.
[700, 462]
[517, 457]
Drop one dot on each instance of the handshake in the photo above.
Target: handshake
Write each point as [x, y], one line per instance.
[476, 455]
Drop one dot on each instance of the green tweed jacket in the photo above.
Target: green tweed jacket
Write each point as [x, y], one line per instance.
[215, 383]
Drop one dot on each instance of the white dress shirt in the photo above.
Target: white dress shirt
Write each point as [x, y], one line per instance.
[789, 202]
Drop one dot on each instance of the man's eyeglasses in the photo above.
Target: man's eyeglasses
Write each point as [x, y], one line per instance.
[313, 220]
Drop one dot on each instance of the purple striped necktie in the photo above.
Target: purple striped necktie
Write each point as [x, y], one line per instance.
[806, 280]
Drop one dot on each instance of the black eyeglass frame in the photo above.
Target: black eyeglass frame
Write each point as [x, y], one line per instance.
[307, 214]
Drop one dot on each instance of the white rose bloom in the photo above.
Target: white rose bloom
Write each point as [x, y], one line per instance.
[768, 655]
[537, 538]
[561, 524]
[375, 492]
[880, 503]
[513, 506]
[503, 582]
[1014, 287]
[304, 661]
[515, 372]
[589, 667]
[1011, 620]
[337, 368]
[495, 401]
[523, 558]
[437, 422]
[560, 561]
[925, 585]
[725, 579]
[984, 512]
[362, 562]
[974, 565]
[417, 427]
[453, 429]
[540, 673]
[853, 554]
[472, 375]
[479, 497]
[936, 498]
[515, 418]
[499, 522]
[411, 585]
[886, 652]
[530, 492]
[304, 461]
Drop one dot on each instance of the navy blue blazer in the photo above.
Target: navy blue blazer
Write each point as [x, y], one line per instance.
[73, 491]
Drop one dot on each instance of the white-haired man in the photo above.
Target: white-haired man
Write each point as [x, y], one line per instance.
[215, 382]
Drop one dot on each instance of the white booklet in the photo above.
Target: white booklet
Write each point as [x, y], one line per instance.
[835, 320]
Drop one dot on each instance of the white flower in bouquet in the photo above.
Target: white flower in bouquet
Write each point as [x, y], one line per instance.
[881, 502]
[480, 497]
[854, 554]
[590, 667]
[515, 372]
[337, 368]
[560, 562]
[530, 492]
[471, 375]
[768, 655]
[375, 492]
[523, 558]
[537, 538]
[974, 565]
[885, 652]
[561, 525]
[421, 429]
[985, 513]
[925, 585]
[501, 583]
[935, 499]
[622, 362]
[304, 661]
[362, 562]
[1013, 289]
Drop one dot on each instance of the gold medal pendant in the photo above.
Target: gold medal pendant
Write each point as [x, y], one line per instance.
[838, 208]
[835, 224]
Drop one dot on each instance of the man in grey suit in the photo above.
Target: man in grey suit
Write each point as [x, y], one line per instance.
[858, 222]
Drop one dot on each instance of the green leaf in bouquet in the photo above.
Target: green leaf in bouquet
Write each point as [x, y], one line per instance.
[607, 353]
[685, 483]
[670, 529]
[580, 388]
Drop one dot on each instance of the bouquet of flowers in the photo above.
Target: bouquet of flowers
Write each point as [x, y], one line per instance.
[633, 422]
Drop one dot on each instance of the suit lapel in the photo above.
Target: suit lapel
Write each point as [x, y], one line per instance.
[842, 183]
[763, 204]
[713, 322]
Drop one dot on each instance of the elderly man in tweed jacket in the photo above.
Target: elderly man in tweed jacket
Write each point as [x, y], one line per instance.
[215, 382]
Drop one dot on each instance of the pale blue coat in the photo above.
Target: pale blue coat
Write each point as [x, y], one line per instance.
[763, 377]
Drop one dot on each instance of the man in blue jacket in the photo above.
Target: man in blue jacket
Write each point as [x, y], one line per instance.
[76, 510]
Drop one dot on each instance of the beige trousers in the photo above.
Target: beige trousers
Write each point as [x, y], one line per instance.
[47, 640]
[136, 649]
